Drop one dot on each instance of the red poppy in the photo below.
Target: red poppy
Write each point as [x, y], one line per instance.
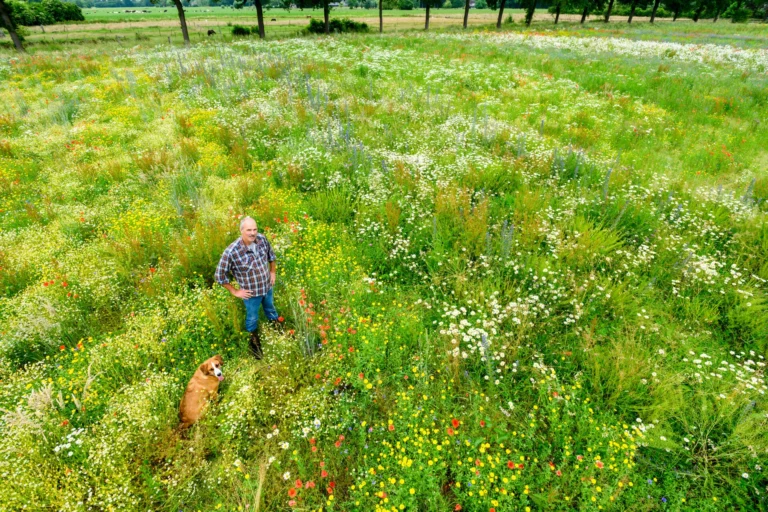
[65, 423]
[309, 485]
[511, 465]
[559, 473]
[324, 474]
[599, 464]
[314, 449]
[455, 423]
[332, 485]
[450, 431]
[62, 347]
[457, 507]
[280, 319]
[482, 423]
[291, 492]
[360, 375]
[299, 483]
[391, 427]
[338, 444]
[312, 440]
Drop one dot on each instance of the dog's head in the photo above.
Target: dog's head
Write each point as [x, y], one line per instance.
[213, 367]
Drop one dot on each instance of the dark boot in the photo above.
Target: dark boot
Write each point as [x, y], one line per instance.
[255, 345]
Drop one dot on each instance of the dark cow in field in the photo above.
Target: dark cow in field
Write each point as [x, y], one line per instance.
[211, 32]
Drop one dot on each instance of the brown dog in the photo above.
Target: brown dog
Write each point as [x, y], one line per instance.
[203, 387]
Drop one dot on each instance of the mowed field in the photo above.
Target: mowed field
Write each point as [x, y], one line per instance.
[517, 270]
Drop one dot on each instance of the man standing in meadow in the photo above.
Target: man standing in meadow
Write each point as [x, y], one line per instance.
[251, 260]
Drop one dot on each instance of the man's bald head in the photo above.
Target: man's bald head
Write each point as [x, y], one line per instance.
[248, 230]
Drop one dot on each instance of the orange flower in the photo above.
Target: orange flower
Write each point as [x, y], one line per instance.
[291, 492]
[455, 423]
[391, 427]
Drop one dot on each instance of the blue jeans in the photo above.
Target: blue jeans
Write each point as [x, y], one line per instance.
[252, 306]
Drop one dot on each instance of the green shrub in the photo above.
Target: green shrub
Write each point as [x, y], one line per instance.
[336, 25]
[239, 30]
[405, 5]
[481, 4]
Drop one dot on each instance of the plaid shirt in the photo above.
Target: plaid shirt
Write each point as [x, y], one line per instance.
[249, 268]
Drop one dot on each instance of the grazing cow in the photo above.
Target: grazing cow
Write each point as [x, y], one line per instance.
[211, 32]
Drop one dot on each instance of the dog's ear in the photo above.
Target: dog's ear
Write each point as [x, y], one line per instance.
[218, 359]
[205, 368]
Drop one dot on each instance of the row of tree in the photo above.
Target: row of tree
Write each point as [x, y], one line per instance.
[46, 12]
[13, 14]
[738, 11]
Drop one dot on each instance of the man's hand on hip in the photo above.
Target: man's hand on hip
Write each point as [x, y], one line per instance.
[243, 294]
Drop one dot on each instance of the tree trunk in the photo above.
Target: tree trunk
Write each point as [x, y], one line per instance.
[5, 15]
[530, 12]
[183, 21]
[557, 14]
[675, 14]
[698, 12]
[584, 14]
[466, 12]
[259, 17]
[608, 12]
[501, 13]
[655, 8]
[632, 11]
[326, 16]
[717, 15]
[426, 21]
[381, 18]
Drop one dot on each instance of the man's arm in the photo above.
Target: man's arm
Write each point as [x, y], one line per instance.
[221, 277]
[272, 263]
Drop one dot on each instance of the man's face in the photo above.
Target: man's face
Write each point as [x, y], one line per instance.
[249, 232]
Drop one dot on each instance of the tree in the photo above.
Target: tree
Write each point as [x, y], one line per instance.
[655, 8]
[466, 12]
[608, 11]
[719, 6]
[633, 5]
[492, 4]
[428, 4]
[259, 17]
[699, 7]
[530, 8]
[301, 4]
[9, 25]
[558, 5]
[677, 6]
[586, 7]
[381, 18]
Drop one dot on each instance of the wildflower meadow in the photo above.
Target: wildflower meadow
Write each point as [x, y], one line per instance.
[517, 271]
